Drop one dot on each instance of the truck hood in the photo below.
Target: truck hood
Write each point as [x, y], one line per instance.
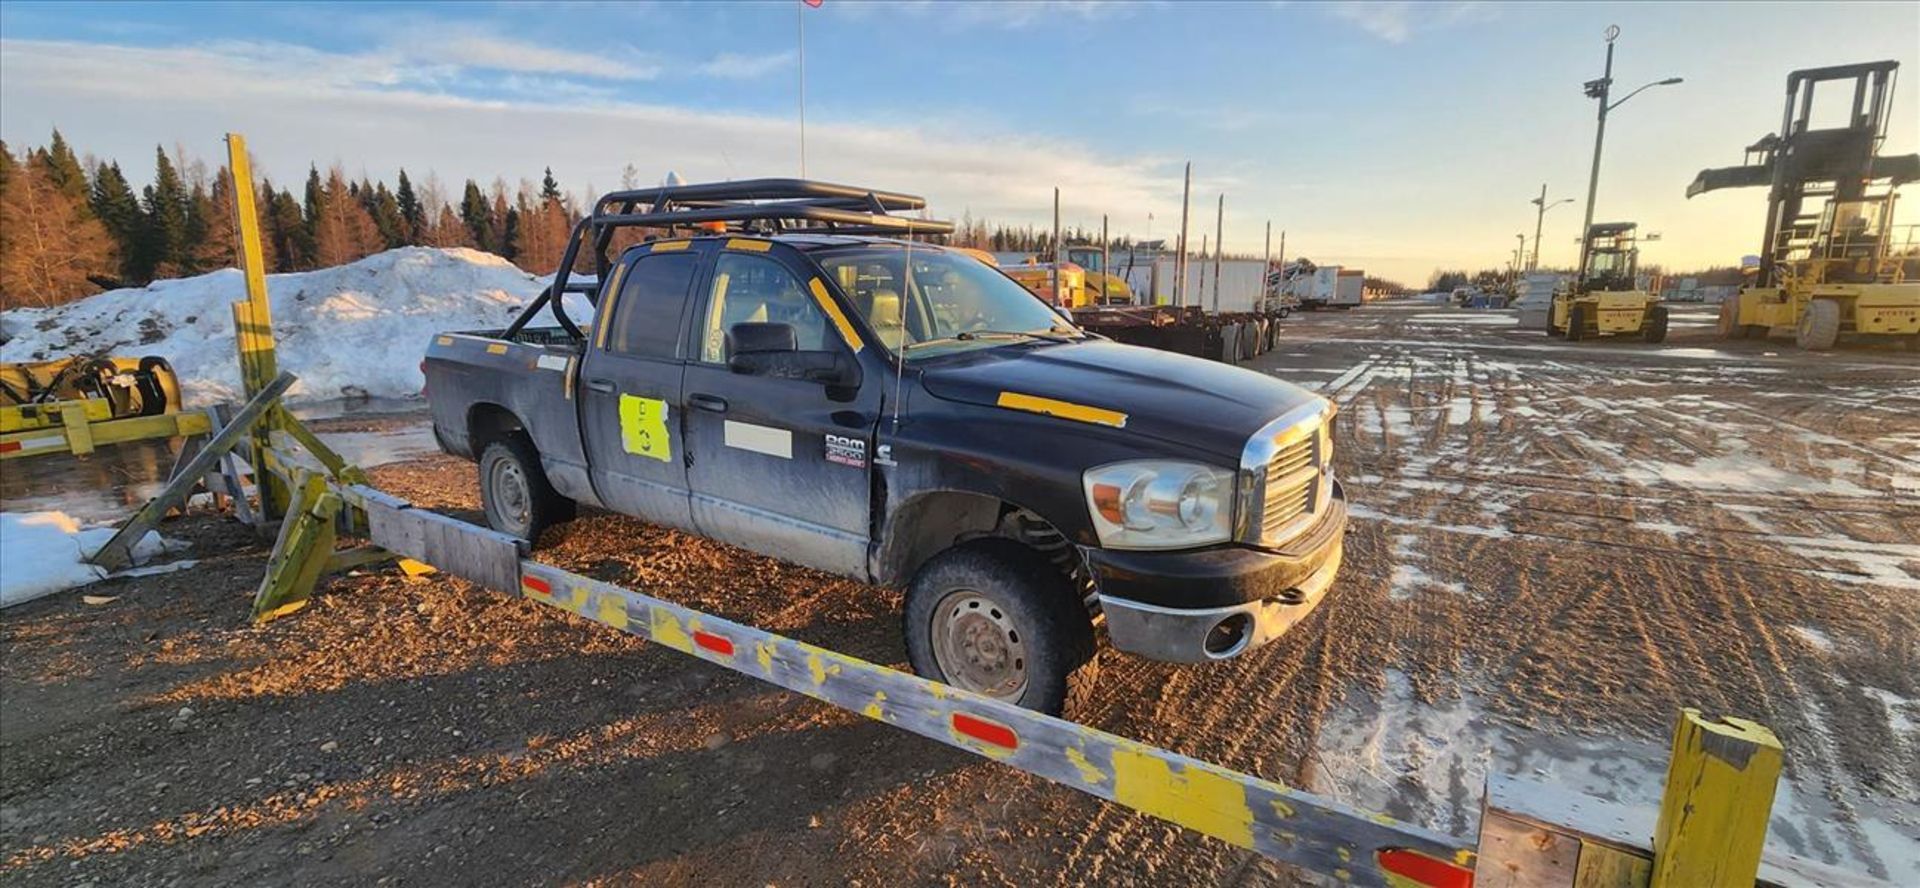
[1195, 405]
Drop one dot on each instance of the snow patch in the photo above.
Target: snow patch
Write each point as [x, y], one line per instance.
[354, 330]
[45, 552]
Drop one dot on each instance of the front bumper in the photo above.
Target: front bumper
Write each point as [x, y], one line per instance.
[1214, 604]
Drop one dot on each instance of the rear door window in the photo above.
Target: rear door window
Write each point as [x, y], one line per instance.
[653, 298]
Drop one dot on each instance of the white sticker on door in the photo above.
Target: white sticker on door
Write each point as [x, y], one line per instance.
[759, 439]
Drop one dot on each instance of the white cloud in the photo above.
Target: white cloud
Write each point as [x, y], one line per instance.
[363, 111]
[741, 66]
[1397, 21]
[478, 49]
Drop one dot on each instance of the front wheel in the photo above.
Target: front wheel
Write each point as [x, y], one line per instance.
[1654, 327]
[1819, 325]
[1730, 326]
[996, 618]
[1576, 322]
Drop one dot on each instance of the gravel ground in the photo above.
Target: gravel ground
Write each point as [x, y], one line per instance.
[1555, 547]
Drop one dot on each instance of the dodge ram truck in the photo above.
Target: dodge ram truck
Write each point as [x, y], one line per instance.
[784, 366]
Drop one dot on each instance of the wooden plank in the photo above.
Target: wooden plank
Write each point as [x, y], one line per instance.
[1602, 866]
[1719, 793]
[79, 432]
[1517, 853]
[301, 554]
[359, 556]
[118, 552]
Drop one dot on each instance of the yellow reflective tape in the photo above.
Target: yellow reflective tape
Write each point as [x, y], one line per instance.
[1090, 773]
[1063, 409]
[603, 314]
[1194, 796]
[444, 340]
[838, 317]
[668, 631]
[613, 611]
[496, 348]
[643, 427]
[664, 246]
[748, 244]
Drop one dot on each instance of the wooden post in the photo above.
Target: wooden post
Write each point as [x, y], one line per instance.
[1719, 795]
[253, 320]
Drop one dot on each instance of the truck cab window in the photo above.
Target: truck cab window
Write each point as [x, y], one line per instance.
[646, 322]
[749, 288]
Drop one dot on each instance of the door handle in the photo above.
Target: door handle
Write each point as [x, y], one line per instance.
[601, 385]
[710, 403]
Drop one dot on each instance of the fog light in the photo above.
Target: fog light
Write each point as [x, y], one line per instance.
[1228, 636]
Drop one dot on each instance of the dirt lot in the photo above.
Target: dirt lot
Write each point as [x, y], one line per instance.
[1555, 548]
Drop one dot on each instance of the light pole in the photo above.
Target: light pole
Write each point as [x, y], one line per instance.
[1519, 256]
[1601, 89]
[1539, 218]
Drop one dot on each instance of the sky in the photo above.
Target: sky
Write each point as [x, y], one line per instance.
[1397, 137]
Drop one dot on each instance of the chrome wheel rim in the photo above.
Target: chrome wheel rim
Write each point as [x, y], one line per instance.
[512, 502]
[978, 647]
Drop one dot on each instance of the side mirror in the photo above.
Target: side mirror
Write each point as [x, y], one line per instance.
[770, 350]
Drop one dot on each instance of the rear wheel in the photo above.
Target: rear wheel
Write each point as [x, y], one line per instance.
[997, 618]
[1653, 328]
[518, 499]
[1819, 325]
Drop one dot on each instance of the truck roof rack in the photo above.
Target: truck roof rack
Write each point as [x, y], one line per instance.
[755, 206]
[767, 206]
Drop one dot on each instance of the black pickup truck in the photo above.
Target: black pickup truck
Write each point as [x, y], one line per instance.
[784, 368]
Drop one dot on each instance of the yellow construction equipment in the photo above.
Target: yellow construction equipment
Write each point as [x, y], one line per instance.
[71, 405]
[1102, 286]
[1607, 300]
[1843, 268]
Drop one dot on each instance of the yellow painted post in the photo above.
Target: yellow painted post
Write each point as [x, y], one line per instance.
[253, 321]
[1719, 795]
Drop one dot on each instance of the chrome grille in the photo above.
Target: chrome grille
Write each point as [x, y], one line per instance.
[1293, 478]
[1286, 478]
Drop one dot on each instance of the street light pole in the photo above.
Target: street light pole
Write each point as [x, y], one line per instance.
[1602, 89]
[1597, 89]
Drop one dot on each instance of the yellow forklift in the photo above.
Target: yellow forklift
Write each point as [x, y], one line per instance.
[1843, 268]
[1606, 300]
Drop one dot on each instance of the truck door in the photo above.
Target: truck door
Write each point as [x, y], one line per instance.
[779, 466]
[630, 385]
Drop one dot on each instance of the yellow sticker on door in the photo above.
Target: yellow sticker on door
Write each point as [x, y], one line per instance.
[643, 427]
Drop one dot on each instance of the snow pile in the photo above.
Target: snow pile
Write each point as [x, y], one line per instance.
[44, 552]
[355, 330]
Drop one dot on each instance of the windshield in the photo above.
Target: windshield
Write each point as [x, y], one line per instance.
[1087, 259]
[950, 302]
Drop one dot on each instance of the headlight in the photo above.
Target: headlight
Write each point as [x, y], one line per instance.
[1160, 504]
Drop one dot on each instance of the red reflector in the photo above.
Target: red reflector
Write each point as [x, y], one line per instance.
[986, 731]
[9, 446]
[535, 584]
[718, 644]
[1429, 871]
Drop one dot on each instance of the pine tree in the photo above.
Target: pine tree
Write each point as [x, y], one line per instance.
[218, 246]
[549, 187]
[53, 244]
[510, 235]
[316, 201]
[286, 230]
[112, 202]
[200, 222]
[477, 215]
[163, 248]
[63, 169]
[388, 218]
[413, 216]
[449, 230]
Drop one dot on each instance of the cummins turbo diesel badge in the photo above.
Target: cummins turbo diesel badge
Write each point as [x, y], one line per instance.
[847, 451]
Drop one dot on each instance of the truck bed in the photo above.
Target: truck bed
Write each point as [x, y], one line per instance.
[479, 381]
